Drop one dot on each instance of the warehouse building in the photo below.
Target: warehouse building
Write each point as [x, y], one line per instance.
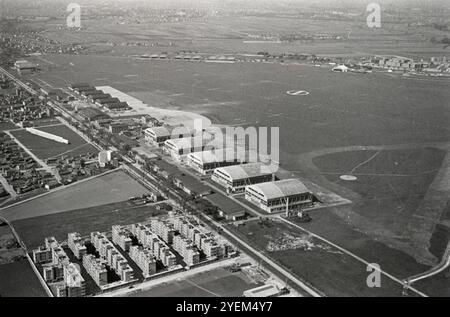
[206, 161]
[283, 195]
[235, 178]
[159, 135]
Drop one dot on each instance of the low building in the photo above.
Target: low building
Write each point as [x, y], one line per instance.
[92, 114]
[235, 178]
[117, 127]
[279, 196]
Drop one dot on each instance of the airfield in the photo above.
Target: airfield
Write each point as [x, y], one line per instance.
[387, 133]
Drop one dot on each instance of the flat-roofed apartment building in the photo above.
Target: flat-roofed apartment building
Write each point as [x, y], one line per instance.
[159, 135]
[236, 178]
[206, 161]
[62, 276]
[286, 194]
[76, 245]
[178, 149]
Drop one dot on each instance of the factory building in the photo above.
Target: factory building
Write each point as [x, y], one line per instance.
[159, 135]
[178, 149]
[206, 161]
[236, 178]
[279, 196]
[76, 245]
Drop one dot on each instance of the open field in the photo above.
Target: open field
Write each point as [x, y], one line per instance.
[110, 188]
[323, 266]
[10, 250]
[328, 223]
[45, 148]
[341, 110]
[227, 35]
[215, 283]
[86, 220]
[390, 187]
[7, 126]
[17, 279]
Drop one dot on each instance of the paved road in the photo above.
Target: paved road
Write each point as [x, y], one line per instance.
[445, 263]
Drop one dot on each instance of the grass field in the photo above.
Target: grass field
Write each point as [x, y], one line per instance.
[7, 126]
[226, 34]
[330, 224]
[110, 188]
[86, 220]
[342, 110]
[215, 283]
[323, 266]
[391, 186]
[18, 279]
[45, 148]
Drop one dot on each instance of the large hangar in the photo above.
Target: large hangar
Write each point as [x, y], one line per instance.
[235, 178]
[278, 196]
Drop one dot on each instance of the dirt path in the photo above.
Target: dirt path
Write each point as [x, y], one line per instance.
[416, 238]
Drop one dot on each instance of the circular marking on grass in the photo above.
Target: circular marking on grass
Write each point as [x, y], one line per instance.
[297, 92]
[348, 178]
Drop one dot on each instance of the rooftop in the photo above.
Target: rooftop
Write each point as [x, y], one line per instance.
[167, 130]
[248, 170]
[282, 188]
[218, 155]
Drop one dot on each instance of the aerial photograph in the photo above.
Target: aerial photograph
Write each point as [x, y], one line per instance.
[201, 150]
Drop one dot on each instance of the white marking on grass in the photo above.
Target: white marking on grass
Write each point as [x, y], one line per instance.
[348, 177]
[297, 92]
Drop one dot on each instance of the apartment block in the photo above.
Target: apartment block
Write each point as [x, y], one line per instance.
[121, 237]
[96, 267]
[144, 258]
[76, 245]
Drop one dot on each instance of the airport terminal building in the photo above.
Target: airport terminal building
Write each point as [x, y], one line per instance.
[236, 178]
[279, 196]
[206, 161]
